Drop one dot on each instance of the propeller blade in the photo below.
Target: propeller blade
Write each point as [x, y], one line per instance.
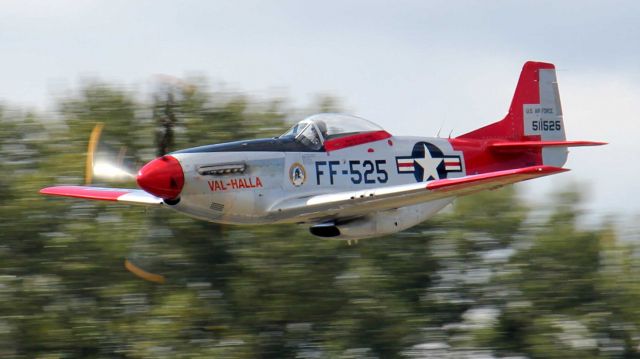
[157, 252]
[108, 168]
[146, 258]
[105, 163]
[134, 268]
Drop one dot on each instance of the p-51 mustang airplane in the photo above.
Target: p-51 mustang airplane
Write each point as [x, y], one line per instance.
[347, 178]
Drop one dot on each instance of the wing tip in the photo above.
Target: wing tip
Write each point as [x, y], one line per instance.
[124, 195]
[85, 192]
[54, 190]
[548, 169]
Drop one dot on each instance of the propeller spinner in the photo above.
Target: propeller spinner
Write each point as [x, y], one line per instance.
[162, 177]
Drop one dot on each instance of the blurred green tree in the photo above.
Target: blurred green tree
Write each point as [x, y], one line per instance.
[488, 277]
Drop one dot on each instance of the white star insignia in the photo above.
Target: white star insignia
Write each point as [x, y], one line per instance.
[429, 165]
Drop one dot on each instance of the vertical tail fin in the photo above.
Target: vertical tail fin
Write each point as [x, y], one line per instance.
[532, 132]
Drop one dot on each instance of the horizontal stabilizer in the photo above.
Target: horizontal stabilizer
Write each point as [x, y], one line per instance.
[124, 195]
[522, 145]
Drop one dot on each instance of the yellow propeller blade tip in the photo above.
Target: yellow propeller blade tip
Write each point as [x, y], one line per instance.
[148, 276]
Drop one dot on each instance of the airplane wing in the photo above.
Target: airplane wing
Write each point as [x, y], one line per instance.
[124, 195]
[355, 203]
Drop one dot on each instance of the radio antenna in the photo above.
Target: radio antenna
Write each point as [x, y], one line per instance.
[440, 129]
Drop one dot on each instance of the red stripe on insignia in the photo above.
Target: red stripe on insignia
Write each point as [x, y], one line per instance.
[405, 164]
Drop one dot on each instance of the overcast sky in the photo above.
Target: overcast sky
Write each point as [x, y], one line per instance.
[411, 66]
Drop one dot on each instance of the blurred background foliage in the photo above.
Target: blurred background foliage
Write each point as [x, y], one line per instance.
[490, 277]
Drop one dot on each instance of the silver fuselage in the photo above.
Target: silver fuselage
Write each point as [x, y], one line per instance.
[270, 177]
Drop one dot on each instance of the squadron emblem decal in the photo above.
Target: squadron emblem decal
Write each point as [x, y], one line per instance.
[297, 174]
[427, 163]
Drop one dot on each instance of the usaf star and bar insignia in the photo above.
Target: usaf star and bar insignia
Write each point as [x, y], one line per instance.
[427, 163]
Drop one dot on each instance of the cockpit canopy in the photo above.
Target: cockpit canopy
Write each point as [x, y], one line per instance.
[314, 130]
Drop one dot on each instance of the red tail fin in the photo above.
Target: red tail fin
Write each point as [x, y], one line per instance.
[528, 93]
[535, 116]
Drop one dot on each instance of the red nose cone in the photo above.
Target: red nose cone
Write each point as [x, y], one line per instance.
[162, 177]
